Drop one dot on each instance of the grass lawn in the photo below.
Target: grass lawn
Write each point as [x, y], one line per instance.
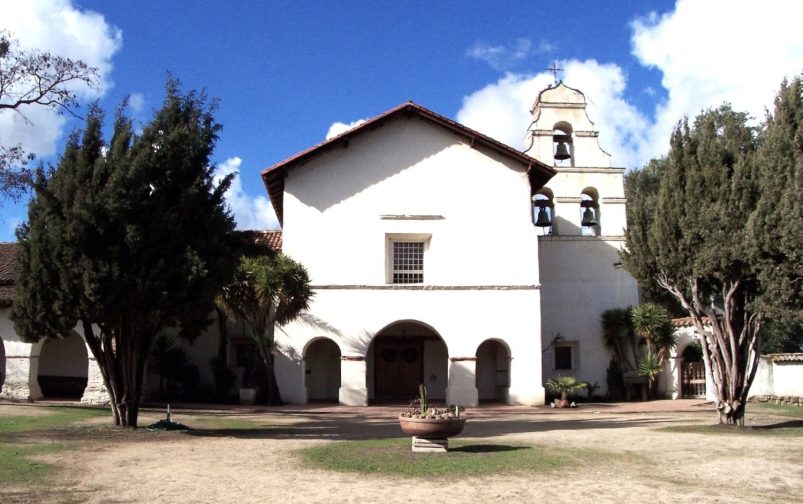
[779, 427]
[465, 458]
[16, 450]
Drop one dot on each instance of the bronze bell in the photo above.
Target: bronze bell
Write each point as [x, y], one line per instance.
[543, 218]
[589, 217]
[562, 152]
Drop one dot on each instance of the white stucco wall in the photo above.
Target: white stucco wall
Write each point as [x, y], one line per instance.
[480, 266]
[579, 282]
[778, 377]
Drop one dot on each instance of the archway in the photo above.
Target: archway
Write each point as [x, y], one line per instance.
[404, 355]
[322, 370]
[63, 367]
[692, 377]
[493, 371]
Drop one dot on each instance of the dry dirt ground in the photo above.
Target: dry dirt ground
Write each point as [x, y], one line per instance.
[642, 463]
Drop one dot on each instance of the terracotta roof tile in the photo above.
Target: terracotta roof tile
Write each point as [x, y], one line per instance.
[8, 254]
[786, 357]
[686, 321]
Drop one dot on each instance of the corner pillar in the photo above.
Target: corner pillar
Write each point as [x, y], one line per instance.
[353, 389]
[95, 391]
[462, 387]
[22, 372]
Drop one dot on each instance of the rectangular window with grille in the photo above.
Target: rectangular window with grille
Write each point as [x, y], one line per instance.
[408, 262]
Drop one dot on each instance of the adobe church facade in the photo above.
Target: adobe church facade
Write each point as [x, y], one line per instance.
[431, 262]
[437, 255]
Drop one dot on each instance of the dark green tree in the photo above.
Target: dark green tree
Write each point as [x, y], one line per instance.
[691, 239]
[127, 239]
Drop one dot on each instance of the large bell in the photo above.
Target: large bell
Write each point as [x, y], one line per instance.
[562, 152]
[589, 218]
[543, 218]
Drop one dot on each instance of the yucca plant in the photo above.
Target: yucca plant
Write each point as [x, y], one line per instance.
[650, 365]
[564, 385]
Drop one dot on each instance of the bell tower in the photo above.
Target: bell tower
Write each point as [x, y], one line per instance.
[586, 197]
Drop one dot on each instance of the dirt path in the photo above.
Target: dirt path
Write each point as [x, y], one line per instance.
[645, 464]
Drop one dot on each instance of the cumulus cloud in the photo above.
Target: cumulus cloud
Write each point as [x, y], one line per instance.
[339, 128]
[502, 109]
[59, 27]
[136, 103]
[249, 212]
[717, 51]
[503, 57]
[708, 53]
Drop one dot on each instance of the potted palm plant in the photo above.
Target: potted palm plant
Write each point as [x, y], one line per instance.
[563, 385]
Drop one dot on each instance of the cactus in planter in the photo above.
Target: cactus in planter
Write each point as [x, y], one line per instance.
[422, 395]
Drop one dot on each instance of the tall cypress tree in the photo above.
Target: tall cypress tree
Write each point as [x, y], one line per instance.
[693, 244]
[127, 240]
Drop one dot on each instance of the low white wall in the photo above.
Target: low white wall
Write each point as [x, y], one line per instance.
[779, 375]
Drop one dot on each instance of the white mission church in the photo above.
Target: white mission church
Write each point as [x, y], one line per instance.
[437, 255]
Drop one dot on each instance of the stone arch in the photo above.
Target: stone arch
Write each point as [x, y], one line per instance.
[590, 209]
[322, 369]
[493, 370]
[403, 355]
[63, 367]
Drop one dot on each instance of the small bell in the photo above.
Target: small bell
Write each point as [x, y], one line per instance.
[589, 219]
[562, 152]
[543, 218]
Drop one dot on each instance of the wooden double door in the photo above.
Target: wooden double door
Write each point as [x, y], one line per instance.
[398, 368]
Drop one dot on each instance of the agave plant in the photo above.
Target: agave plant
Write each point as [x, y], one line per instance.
[650, 365]
[564, 385]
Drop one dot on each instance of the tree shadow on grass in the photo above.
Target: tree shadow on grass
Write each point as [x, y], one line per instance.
[356, 428]
[487, 448]
[789, 424]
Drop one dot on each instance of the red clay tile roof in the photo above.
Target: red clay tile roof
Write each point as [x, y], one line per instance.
[273, 176]
[273, 239]
[686, 321]
[785, 357]
[8, 254]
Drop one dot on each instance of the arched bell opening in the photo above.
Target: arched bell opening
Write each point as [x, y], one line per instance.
[401, 357]
[544, 211]
[63, 367]
[322, 370]
[589, 212]
[562, 144]
[493, 371]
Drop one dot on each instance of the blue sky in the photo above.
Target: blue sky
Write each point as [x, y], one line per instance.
[285, 73]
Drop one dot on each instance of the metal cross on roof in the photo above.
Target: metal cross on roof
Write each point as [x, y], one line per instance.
[554, 69]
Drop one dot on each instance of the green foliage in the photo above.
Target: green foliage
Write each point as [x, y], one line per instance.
[266, 289]
[392, 457]
[652, 322]
[564, 385]
[127, 239]
[618, 335]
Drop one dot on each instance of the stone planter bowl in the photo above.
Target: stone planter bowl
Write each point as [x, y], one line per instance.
[432, 428]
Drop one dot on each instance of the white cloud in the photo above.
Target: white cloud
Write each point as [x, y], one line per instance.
[716, 51]
[136, 103]
[502, 110]
[502, 57]
[249, 212]
[61, 28]
[338, 128]
[708, 52]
